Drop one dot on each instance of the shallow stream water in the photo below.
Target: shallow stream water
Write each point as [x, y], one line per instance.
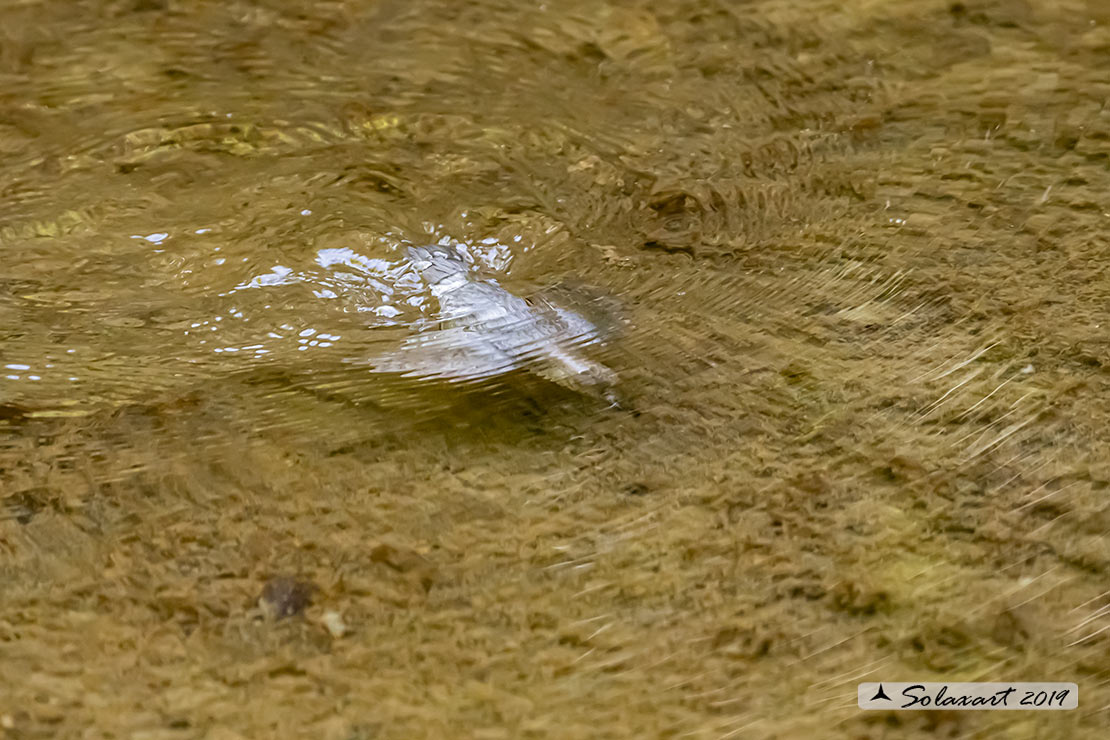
[847, 260]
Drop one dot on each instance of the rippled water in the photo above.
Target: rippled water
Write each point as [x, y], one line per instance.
[843, 265]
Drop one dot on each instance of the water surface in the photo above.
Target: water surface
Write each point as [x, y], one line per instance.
[850, 263]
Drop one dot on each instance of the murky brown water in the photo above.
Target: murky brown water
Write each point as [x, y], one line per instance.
[848, 261]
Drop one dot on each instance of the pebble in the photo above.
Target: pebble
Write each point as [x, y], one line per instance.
[334, 624]
[283, 596]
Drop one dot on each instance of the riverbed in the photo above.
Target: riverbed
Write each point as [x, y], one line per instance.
[850, 260]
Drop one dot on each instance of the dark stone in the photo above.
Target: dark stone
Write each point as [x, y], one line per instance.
[287, 596]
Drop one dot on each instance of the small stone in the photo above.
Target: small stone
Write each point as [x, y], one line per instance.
[286, 597]
[334, 624]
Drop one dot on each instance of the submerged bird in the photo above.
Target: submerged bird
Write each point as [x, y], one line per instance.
[484, 330]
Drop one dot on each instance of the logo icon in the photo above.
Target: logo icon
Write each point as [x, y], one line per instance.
[880, 694]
